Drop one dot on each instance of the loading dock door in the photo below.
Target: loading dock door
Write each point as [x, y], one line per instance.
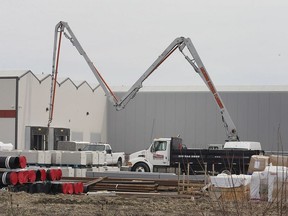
[38, 138]
[61, 134]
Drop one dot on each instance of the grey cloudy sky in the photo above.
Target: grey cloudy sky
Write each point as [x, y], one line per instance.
[243, 42]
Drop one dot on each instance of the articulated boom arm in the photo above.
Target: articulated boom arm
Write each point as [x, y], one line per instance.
[198, 66]
[181, 43]
[59, 30]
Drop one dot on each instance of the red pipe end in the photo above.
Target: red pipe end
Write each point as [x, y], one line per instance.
[22, 177]
[64, 188]
[70, 188]
[59, 174]
[80, 187]
[22, 161]
[31, 175]
[43, 174]
[75, 188]
[52, 174]
[13, 178]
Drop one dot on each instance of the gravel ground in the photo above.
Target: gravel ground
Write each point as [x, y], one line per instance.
[22, 203]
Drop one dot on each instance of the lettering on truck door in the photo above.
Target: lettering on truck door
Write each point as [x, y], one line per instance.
[158, 153]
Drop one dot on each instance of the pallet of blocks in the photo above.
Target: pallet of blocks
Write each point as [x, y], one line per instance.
[230, 187]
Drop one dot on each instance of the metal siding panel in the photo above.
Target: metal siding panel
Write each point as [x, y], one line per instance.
[284, 121]
[190, 122]
[180, 114]
[252, 116]
[139, 126]
[150, 118]
[201, 103]
[160, 113]
[195, 116]
[274, 119]
[170, 100]
[211, 119]
[243, 104]
[126, 130]
[263, 119]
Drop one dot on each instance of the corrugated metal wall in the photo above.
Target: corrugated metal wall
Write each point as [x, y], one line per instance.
[195, 117]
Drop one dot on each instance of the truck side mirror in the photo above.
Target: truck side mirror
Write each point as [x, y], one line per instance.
[109, 151]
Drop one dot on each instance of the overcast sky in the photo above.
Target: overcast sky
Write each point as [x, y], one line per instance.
[242, 42]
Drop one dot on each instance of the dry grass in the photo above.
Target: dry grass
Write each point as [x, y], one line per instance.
[41, 204]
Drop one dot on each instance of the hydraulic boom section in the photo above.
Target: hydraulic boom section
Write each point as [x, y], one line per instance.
[59, 30]
[198, 66]
[179, 43]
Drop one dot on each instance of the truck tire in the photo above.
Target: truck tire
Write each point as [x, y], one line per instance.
[119, 163]
[140, 167]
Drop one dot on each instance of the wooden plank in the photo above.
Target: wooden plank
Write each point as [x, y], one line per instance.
[95, 181]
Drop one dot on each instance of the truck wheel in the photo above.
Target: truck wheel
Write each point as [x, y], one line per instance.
[119, 163]
[140, 167]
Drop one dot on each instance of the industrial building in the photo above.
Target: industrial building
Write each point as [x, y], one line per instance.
[79, 112]
[83, 113]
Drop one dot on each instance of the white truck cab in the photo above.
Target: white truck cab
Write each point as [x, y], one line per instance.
[158, 154]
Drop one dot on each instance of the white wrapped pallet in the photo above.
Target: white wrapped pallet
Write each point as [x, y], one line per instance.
[259, 186]
[34, 157]
[80, 172]
[13, 153]
[89, 157]
[277, 176]
[67, 171]
[56, 157]
[74, 158]
[95, 158]
[47, 157]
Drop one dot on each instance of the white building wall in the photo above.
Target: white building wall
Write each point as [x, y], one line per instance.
[33, 101]
[82, 110]
[7, 102]
[72, 105]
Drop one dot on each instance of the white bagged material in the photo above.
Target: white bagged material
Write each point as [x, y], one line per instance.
[258, 179]
[6, 146]
[275, 174]
[229, 181]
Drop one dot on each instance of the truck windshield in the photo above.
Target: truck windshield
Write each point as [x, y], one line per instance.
[94, 148]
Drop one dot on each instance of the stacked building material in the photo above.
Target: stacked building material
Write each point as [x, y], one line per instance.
[8, 176]
[45, 181]
[17, 177]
